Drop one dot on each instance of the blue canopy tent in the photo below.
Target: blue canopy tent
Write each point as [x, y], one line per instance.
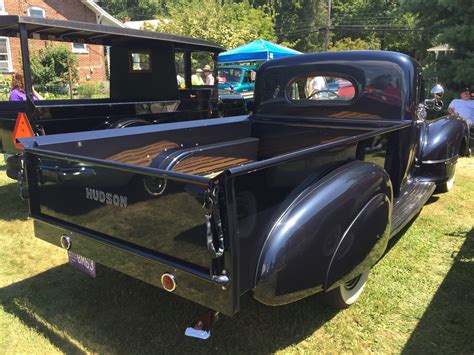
[255, 51]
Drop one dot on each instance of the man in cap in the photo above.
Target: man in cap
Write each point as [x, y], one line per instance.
[464, 106]
[196, 78]
[208, 75]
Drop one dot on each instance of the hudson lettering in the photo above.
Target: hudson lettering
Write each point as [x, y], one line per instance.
[106, 197]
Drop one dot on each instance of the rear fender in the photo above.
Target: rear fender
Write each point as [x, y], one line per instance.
[443, 141]
[337, 226]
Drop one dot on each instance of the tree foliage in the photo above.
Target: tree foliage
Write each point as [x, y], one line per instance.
[135, 10]
[298, 23]
[50, 65]
[383, 21]
[348, 44]
[447, 22]
[227, 23]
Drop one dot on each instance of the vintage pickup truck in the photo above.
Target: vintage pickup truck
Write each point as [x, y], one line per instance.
[238, 79]
[300, 197]
[143, 87]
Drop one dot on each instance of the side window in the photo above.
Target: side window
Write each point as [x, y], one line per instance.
[202, 68]
[74, 76]
[140, 61]
[248, 77]
[35, 11]
[180, 63]
[321, 88]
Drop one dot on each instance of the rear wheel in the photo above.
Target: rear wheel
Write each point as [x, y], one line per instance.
[347, 293]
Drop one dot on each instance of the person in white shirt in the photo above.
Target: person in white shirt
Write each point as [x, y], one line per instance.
[464, 106]
[314, 85]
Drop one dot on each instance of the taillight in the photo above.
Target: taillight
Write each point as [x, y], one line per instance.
[168, 282]
[22, 129]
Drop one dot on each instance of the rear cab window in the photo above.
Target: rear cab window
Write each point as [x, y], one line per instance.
[321, 88]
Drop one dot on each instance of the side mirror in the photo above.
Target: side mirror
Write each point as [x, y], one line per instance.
[435, 103]
[437, 91]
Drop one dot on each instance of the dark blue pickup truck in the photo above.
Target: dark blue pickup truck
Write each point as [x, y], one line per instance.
[298, 198]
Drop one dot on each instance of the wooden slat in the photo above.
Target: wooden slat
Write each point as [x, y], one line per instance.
[144, 155]
[208, 165]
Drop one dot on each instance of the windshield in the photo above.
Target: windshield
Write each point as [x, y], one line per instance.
[229, 76]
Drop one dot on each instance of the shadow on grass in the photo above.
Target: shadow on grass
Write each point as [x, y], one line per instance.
[12, 207]
[432, 199]
[118, 314]
[448, 322]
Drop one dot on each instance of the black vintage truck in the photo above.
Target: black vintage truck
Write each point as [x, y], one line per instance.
[300, 197]
[149, 82]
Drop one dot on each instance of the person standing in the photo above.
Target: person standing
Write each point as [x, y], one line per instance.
[464, 106]
[196, 79]
[208, 75]
[18, 89]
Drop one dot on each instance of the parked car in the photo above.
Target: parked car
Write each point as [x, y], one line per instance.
[238, 79]
[144, 67]
[291, 201]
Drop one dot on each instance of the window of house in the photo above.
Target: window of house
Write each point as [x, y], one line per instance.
[35, 11]
[5, 57]
[2, 7]
[79, 48]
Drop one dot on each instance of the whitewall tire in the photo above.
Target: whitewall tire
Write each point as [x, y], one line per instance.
[347, 293]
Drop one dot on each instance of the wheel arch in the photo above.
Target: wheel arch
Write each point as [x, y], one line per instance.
[302, 244]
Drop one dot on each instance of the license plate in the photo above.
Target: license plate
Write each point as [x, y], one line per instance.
[82, 263]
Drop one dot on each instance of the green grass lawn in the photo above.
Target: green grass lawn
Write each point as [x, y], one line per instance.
[419, 298]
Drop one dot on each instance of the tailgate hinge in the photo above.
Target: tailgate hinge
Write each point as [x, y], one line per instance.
[22, 184]
[214, 231]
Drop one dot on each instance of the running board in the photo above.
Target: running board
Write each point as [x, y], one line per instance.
[412, 199]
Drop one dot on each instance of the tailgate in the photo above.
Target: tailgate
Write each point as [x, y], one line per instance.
[139, 220]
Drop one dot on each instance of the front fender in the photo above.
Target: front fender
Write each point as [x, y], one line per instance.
[338, 225]
[443, 141]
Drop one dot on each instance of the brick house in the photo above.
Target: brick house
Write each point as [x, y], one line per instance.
[91, 58]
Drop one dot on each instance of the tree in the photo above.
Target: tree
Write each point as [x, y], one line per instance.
[447, 22]
[298, 23]
[385, 21]
[347, 44]
[224, 22]
[133, 9]
[51, 65]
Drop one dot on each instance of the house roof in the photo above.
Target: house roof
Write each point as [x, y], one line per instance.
[83, 32]
[104, 17]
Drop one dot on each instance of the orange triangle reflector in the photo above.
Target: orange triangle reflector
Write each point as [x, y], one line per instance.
[22, 129]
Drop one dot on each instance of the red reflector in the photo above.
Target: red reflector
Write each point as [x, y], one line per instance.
[168, 282]
[22, 129]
